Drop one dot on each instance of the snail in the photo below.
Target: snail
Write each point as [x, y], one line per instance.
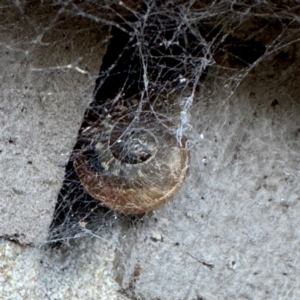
[132, 164]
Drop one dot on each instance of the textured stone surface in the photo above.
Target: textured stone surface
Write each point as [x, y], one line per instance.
[233, 232]
[80, 271]
[49, 63]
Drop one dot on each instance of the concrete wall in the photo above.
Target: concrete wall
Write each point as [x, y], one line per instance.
[49, 63]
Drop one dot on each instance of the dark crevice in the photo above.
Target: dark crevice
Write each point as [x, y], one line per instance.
[121, 71]
[15, 238]
[74, 205]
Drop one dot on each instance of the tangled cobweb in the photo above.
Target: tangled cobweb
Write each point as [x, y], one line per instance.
[161, 54]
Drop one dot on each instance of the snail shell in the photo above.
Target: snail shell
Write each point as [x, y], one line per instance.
[134, 165]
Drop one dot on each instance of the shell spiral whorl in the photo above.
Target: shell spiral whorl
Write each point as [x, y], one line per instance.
[133, 164]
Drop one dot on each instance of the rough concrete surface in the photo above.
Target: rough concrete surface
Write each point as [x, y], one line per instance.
[49, 63]
[233, 232]
[82, 271]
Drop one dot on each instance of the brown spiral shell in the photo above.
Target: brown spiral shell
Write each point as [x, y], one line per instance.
[132, 165]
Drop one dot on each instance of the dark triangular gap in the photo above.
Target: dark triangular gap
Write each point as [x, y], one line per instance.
[74, 204]
[121, 62]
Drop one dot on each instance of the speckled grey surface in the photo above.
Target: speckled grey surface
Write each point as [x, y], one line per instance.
[47, 79]
[233, 232]
[78, 271]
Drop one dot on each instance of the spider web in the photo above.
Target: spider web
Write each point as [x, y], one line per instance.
[162, 54]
